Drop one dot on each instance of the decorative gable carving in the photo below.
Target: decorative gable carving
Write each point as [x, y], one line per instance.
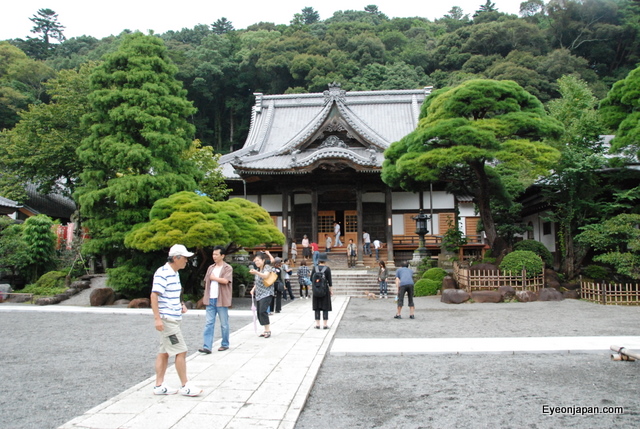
[333, 141]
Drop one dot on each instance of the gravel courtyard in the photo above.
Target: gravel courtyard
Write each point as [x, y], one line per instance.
[58, 365]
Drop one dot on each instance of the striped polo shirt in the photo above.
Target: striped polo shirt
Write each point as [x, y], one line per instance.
[166, 283]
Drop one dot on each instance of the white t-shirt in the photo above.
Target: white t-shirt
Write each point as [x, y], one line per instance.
[213, 288]
[377, 244]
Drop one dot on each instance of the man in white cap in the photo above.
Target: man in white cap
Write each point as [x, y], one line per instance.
[167, 313]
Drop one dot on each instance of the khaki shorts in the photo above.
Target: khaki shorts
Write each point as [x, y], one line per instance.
[171, 340]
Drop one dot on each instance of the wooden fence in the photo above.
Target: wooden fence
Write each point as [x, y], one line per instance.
[492, 279]
[610, 293]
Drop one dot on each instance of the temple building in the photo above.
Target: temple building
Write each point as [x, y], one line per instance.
[314, 159]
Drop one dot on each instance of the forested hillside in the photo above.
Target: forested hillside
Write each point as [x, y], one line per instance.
[221, 67]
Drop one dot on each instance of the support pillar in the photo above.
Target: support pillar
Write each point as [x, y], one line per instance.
[285, 224]
[359, 262]
[389, 228]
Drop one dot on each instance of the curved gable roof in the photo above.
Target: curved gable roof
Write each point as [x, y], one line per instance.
[284, 126]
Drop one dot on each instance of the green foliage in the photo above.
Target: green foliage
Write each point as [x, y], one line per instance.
[435, 273]
[131, 279]
[621, 112]
[212, 183]
[49, 284]
[427, 287]
[596, 272]
[453, 238]
[139, 132]
[13, 249]
[481, 137]
[41, 147]
[617, 243]
[198, 221]
[40, 243]
[537, 248]
[519, 260]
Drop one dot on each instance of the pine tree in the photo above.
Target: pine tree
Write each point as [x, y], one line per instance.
[138, 137]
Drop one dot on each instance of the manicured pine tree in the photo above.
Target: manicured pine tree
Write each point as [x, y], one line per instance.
[139, 133]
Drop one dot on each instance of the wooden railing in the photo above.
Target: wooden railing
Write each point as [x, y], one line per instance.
[477, 280]
[610, 293]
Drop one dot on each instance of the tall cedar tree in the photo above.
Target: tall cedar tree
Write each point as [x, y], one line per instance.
[138, 136]
[482, 137]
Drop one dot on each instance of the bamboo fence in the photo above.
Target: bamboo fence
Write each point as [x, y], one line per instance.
[477, 280]
[610, 293]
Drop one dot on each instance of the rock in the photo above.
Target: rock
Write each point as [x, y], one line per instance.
[571, 294]
[190, 305]
[454, 296]
[449, 283]
[81, 284]
[121, 302]
[550, 294]
[140, 303]
[482, 296]
[22, 298]
[551, 278]
[507, 292]
[526, 296]
[48, 300]
[102, 296]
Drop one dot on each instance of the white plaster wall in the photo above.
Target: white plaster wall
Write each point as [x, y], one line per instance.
[398, 224]
[272, 203]
[410, 201]
[404, 201]
[547, 240]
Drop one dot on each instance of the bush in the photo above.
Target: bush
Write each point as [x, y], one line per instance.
[426, 287]
[596, 272]
[537, 248]
[49, 284]
[436, 274]
[522, 259]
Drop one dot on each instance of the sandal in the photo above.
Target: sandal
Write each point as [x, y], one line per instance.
[263, 334]
[267, 334]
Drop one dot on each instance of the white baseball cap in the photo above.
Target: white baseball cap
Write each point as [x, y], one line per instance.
[179, 250]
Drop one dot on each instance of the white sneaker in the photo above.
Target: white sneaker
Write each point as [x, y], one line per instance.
[164, 390]
[189, 390]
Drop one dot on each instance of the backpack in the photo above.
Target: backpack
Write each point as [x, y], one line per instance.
[319, 283]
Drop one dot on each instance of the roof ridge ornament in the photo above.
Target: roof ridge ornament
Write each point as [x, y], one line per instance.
[334, 94]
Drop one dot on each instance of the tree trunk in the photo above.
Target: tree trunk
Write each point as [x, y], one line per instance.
[483, 202]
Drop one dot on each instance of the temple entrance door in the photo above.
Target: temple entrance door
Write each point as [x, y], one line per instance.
[325, 226]
[350, 227]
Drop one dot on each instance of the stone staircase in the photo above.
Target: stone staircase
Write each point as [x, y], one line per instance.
[356, 282]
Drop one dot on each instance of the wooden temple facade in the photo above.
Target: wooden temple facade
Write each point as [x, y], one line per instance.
[312, 159]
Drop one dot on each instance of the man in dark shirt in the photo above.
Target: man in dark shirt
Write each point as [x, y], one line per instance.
[404, 283]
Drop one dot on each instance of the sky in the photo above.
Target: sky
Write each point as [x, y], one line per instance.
[98, 19]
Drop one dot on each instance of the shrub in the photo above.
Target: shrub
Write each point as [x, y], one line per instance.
[49, 284]
[423, 266]
[596, 272]
[537, 248]
[522, 259]
[436, 274]
[426, 287]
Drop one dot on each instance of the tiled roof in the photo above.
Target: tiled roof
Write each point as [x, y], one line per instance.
[283, 126]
